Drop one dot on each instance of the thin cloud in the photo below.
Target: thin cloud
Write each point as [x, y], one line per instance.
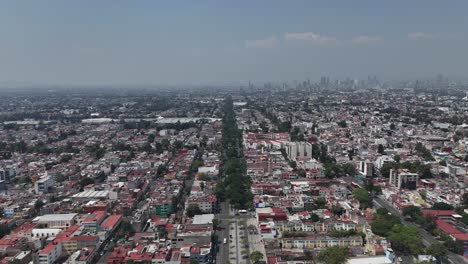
[309, 37]
[421, 35]
[366, 39]
[267, 43]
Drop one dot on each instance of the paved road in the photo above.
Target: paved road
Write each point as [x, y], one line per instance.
[223, 232]
[234, 229]
[427, 239]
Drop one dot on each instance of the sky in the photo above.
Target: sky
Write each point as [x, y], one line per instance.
[217, 42]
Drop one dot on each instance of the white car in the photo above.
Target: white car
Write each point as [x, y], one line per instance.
[225, 241]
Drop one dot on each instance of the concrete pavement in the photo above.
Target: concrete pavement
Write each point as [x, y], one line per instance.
[255, 239]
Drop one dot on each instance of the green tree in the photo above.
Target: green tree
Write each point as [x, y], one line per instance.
[385, 169]
[284, 126]
[337, 210]
[162, 169]
[202, 186]
[383, 222]
[363, 197]
[293, 164]
[86, 181]
[380, 149]
[162, 232]
[334, 255]
[454, 246]
[314, 217]
[301, 173]
[406, 239]
[382, 212]
[320, 203]
[256, 256]
[193, 209]
[151, 138]
[203, 177]
[99, 153]
[437, 250]
[423, 152]
[39, 204]
[349, 169]
[4, 230]
[125, 229]
[216, 222]
[413, 213]
[442, 206]
[65, 158]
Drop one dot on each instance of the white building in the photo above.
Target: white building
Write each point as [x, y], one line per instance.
[209, 170]
[299, 150]
[365, 167]
[50, 253]
[7, 173]
[56, 220]
[380, 161]
[45, 232]
[43, 184]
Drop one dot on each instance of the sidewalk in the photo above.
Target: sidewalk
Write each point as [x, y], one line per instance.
[255, 240]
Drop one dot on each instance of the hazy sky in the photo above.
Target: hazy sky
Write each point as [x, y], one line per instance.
[229, 41]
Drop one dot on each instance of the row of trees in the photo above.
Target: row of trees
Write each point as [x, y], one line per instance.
[423, 152]
[363, 196]
[416, 167]
[404, 238]
[414, 214]
[235, 186]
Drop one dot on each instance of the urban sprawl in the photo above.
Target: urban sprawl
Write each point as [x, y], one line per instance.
[310, 172]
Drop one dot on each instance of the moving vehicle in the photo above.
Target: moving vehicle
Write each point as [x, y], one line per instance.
[225, 241]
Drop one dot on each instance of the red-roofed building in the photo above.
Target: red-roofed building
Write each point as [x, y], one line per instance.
[273, 260]
[25, 229]
[277, 214]
[455, 233]
[117, 256]
[439, 214]
[10, 244]
[111, 223]
[94, 206]
[92, 221]
[50, 253]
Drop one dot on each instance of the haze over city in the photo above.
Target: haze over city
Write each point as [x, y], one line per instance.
[228, 42]
[233, 132]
